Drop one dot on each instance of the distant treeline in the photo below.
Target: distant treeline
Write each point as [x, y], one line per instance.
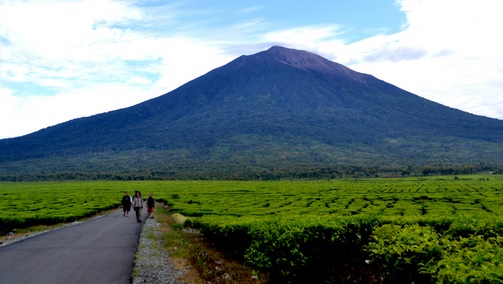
[271, 173]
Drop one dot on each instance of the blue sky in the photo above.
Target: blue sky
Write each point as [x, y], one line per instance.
[65, 59]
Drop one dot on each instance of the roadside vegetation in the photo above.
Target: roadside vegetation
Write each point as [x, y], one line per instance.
[189, 250]
[435, 229]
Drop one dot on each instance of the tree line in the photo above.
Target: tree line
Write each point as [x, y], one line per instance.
[261, 173]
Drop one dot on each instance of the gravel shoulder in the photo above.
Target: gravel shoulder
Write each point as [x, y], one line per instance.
[152, 260]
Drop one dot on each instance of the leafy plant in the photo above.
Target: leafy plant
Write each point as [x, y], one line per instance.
[470, 260]
[400, 251]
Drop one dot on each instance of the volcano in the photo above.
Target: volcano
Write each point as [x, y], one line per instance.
[277, 109]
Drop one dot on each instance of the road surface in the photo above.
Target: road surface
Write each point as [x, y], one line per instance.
[97, 251]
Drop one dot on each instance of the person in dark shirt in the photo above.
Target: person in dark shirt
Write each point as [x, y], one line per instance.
[150, 206]
[126, 204]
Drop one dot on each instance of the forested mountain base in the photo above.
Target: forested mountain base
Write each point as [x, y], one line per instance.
[23, 171]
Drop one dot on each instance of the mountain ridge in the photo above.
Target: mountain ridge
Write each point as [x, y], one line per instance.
[277, 107]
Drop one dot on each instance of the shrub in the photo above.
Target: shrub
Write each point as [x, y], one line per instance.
[470, 260]
[400, 252]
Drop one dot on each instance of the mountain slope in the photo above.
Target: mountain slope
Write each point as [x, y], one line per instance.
[278, 107]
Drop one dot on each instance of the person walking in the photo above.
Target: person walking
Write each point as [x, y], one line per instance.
[150, 206]
[126, 204]
[137, 205]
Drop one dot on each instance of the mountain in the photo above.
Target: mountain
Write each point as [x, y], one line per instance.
[277, 109]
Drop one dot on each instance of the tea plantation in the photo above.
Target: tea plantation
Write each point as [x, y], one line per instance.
[438, 229]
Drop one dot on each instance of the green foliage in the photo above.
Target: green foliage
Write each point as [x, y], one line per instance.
[311, 227]
[467, 226]
[399, 251]
[312, 246]
[28, 204]
[439, 228]
[470, 260]
[436, 198]
[289, 247]
[462, 250]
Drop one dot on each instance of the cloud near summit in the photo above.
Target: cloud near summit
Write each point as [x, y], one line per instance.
[397, 54]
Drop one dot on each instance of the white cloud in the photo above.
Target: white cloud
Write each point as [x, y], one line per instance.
[454, 56]
[396, 54]
[63, 30]
[308, 35]
[88, 57]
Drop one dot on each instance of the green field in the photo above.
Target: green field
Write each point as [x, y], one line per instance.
[473, 195]
[425, 196]
[34, 203]
[444, 229]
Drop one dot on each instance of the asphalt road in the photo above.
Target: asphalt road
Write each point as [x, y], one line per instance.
[97, 251]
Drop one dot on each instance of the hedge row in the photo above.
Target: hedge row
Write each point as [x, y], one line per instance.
[453, 249]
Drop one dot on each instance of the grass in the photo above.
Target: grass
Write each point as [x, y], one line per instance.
[25, 232]
[189, 250]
